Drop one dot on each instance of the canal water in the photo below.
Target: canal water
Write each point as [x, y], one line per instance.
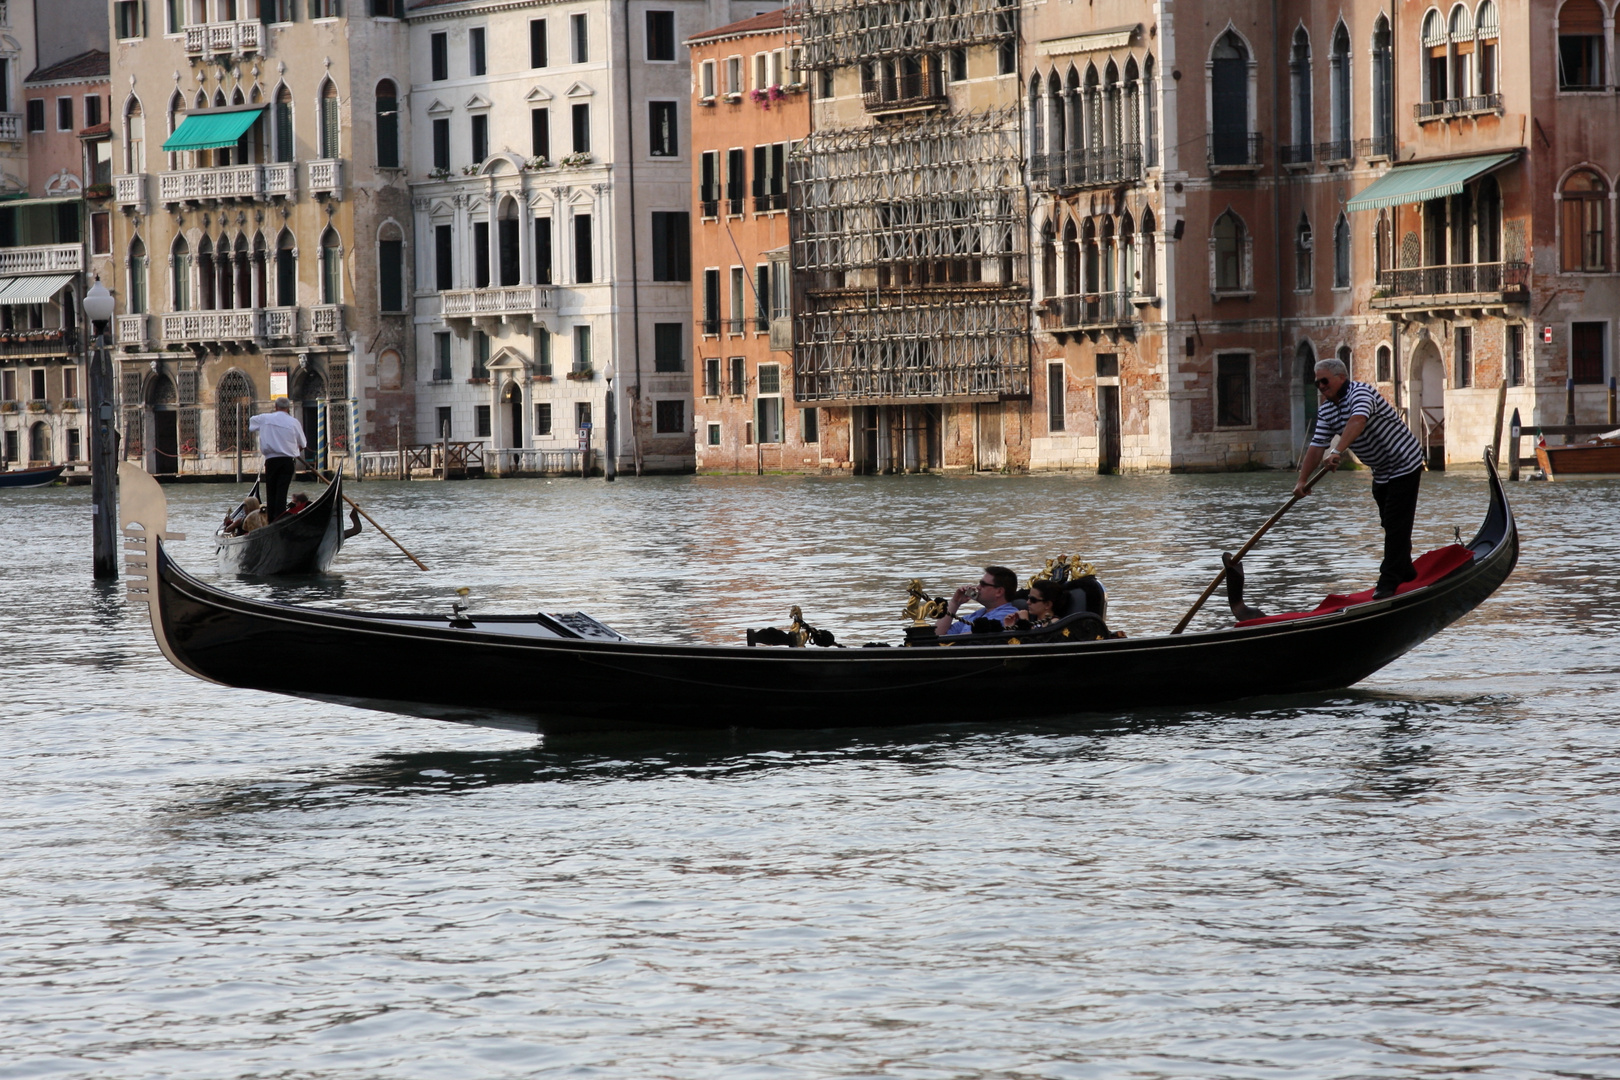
[1413, 878]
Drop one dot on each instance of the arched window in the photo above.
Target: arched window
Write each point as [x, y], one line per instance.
[1071, 261]
[1049, 262]
[1347, 359]
[1339, 77]
[1462, 51]
[206, 297]
[177, 113]
[243, 268]
[1299, 80]
[1128, 282]
[331, 268]
[1437, 62]
[1229, 101]
[1228, 241]
[136, 304]
[1304, 254]
[1150, 115]
[329, 120]
[284, 125]
[233, 406]
[261, 256]
[1150, 256]
[1057, 139]
[134, 136]
[1341, 253]
[1486, 33]
[180, 276]
[1107, 259]
[1094, 117]
[1488, 221]
[1091, 269]
[1037, 125]
[1383, 88]
[1585, 223]
[387, 125]
[391, 264]
[1383, 372]
[286, 270]
[1131, 141]
[1580, 45]
[1112, 122]
[1074, 112]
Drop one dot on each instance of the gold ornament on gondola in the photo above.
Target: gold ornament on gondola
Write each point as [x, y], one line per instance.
[799, 632]
[1066, 568]
[922, 609]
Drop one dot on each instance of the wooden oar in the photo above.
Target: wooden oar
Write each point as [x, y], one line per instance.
[420, 565]
[1321, 470]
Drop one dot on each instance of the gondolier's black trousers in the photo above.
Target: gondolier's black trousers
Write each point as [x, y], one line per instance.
[278, 477]
[1397, 508]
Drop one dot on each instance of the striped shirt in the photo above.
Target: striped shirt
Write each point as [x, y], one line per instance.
[1386, 445]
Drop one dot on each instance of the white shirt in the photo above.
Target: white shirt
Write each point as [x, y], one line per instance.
[279, 434]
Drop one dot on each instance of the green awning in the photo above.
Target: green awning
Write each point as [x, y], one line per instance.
[212, 130]
[1420, 182]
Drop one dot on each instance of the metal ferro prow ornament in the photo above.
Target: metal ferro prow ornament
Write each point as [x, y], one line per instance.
[921, 609]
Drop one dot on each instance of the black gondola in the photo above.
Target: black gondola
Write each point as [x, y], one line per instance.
[568, 673]
[25, 478]
[301, 543]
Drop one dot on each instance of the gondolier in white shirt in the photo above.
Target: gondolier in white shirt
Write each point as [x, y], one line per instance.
[281, 441]
[1374, 432]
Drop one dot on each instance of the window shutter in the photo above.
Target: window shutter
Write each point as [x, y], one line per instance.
[186, 387]
[1580, 17]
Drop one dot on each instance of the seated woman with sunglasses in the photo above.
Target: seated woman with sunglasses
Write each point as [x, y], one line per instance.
[1041, 610]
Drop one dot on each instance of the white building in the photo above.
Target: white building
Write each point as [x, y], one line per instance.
[551, 194]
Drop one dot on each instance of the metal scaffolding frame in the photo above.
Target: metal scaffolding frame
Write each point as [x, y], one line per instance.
[837, 33]
[909, 250]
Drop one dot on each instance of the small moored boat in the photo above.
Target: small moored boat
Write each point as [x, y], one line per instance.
[22, 478]
[551, 672]
[301, 543]
[1599, 457]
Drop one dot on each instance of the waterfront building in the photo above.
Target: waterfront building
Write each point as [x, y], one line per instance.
[750, 113]
[551, 189]
[263, 233]
[54, 229]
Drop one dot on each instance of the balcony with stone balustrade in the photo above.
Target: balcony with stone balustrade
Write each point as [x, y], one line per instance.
[228, 183]
[43, 259]
[129, 192]
[326, 320]
[11, 127]
[224, 39]
[132, 331]
[326, 177]
[211, 327]
[499, 303]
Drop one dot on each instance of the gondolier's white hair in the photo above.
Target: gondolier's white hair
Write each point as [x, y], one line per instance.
[1333, 366]
[284, 405]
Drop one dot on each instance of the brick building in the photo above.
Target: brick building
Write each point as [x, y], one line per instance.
[750, 110]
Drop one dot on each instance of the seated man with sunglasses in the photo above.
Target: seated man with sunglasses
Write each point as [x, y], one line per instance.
[995, 593]
[1375, 433]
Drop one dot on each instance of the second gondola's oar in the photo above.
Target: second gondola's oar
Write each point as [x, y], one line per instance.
[1321, 470]
[420, 565]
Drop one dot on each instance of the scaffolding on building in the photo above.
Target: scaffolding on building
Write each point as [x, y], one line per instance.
[909, 252]
[837, 33]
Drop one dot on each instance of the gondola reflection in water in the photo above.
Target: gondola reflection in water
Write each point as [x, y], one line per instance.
[567, 673]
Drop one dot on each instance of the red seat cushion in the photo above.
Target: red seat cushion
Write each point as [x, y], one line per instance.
[1431, 566]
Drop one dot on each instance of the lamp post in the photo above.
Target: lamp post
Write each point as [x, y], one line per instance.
[610, 437]
[98, 308]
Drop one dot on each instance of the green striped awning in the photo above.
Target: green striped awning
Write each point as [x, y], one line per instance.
[41, 289]
[1419, 182]
[213, 129]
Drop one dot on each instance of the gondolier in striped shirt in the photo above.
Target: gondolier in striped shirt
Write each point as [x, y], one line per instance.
[1373, 430]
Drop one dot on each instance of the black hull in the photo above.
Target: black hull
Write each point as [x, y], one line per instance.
[26, 478]
[502, 673]
[303, 543]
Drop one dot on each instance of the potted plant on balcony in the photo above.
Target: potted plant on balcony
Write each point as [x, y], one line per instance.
[98, 191]
[39, 406]
[577, 159]
[188, 448]
[536, 163]
[583, 374]
[439, 174]
[8, 406]
[72, 405]
[469, 170]
[764, 98]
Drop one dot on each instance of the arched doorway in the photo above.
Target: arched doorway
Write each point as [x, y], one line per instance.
[39, 444]
[512, 398]
[310, 391]
[160, 400]
[1428, 397]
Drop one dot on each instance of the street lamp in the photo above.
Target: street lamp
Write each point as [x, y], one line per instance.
[610, 438]
[98, 308]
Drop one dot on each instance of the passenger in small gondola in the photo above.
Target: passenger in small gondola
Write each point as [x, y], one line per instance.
[995, 592]
[1041, 609]
[252, 517]
[297, 503]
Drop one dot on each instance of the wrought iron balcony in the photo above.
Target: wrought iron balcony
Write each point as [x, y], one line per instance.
[768, 202]
[326, 177]
[1082, 168]
[199, 327]
[1236, 150]
[1088, 311]
[1296, 153]
[499, 302]
[1379, 146]
[1335, 150]
[1459, 284]
[44, 259]
[1424, 111]
[711, 207]
[60, 341]
[899, 93]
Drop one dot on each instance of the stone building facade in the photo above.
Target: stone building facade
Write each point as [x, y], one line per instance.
[263, 238]
[750, 112]
[550, 173]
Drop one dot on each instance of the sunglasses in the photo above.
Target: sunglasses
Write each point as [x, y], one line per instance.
[987, 585]
[1324, 382]
[1039, 600]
